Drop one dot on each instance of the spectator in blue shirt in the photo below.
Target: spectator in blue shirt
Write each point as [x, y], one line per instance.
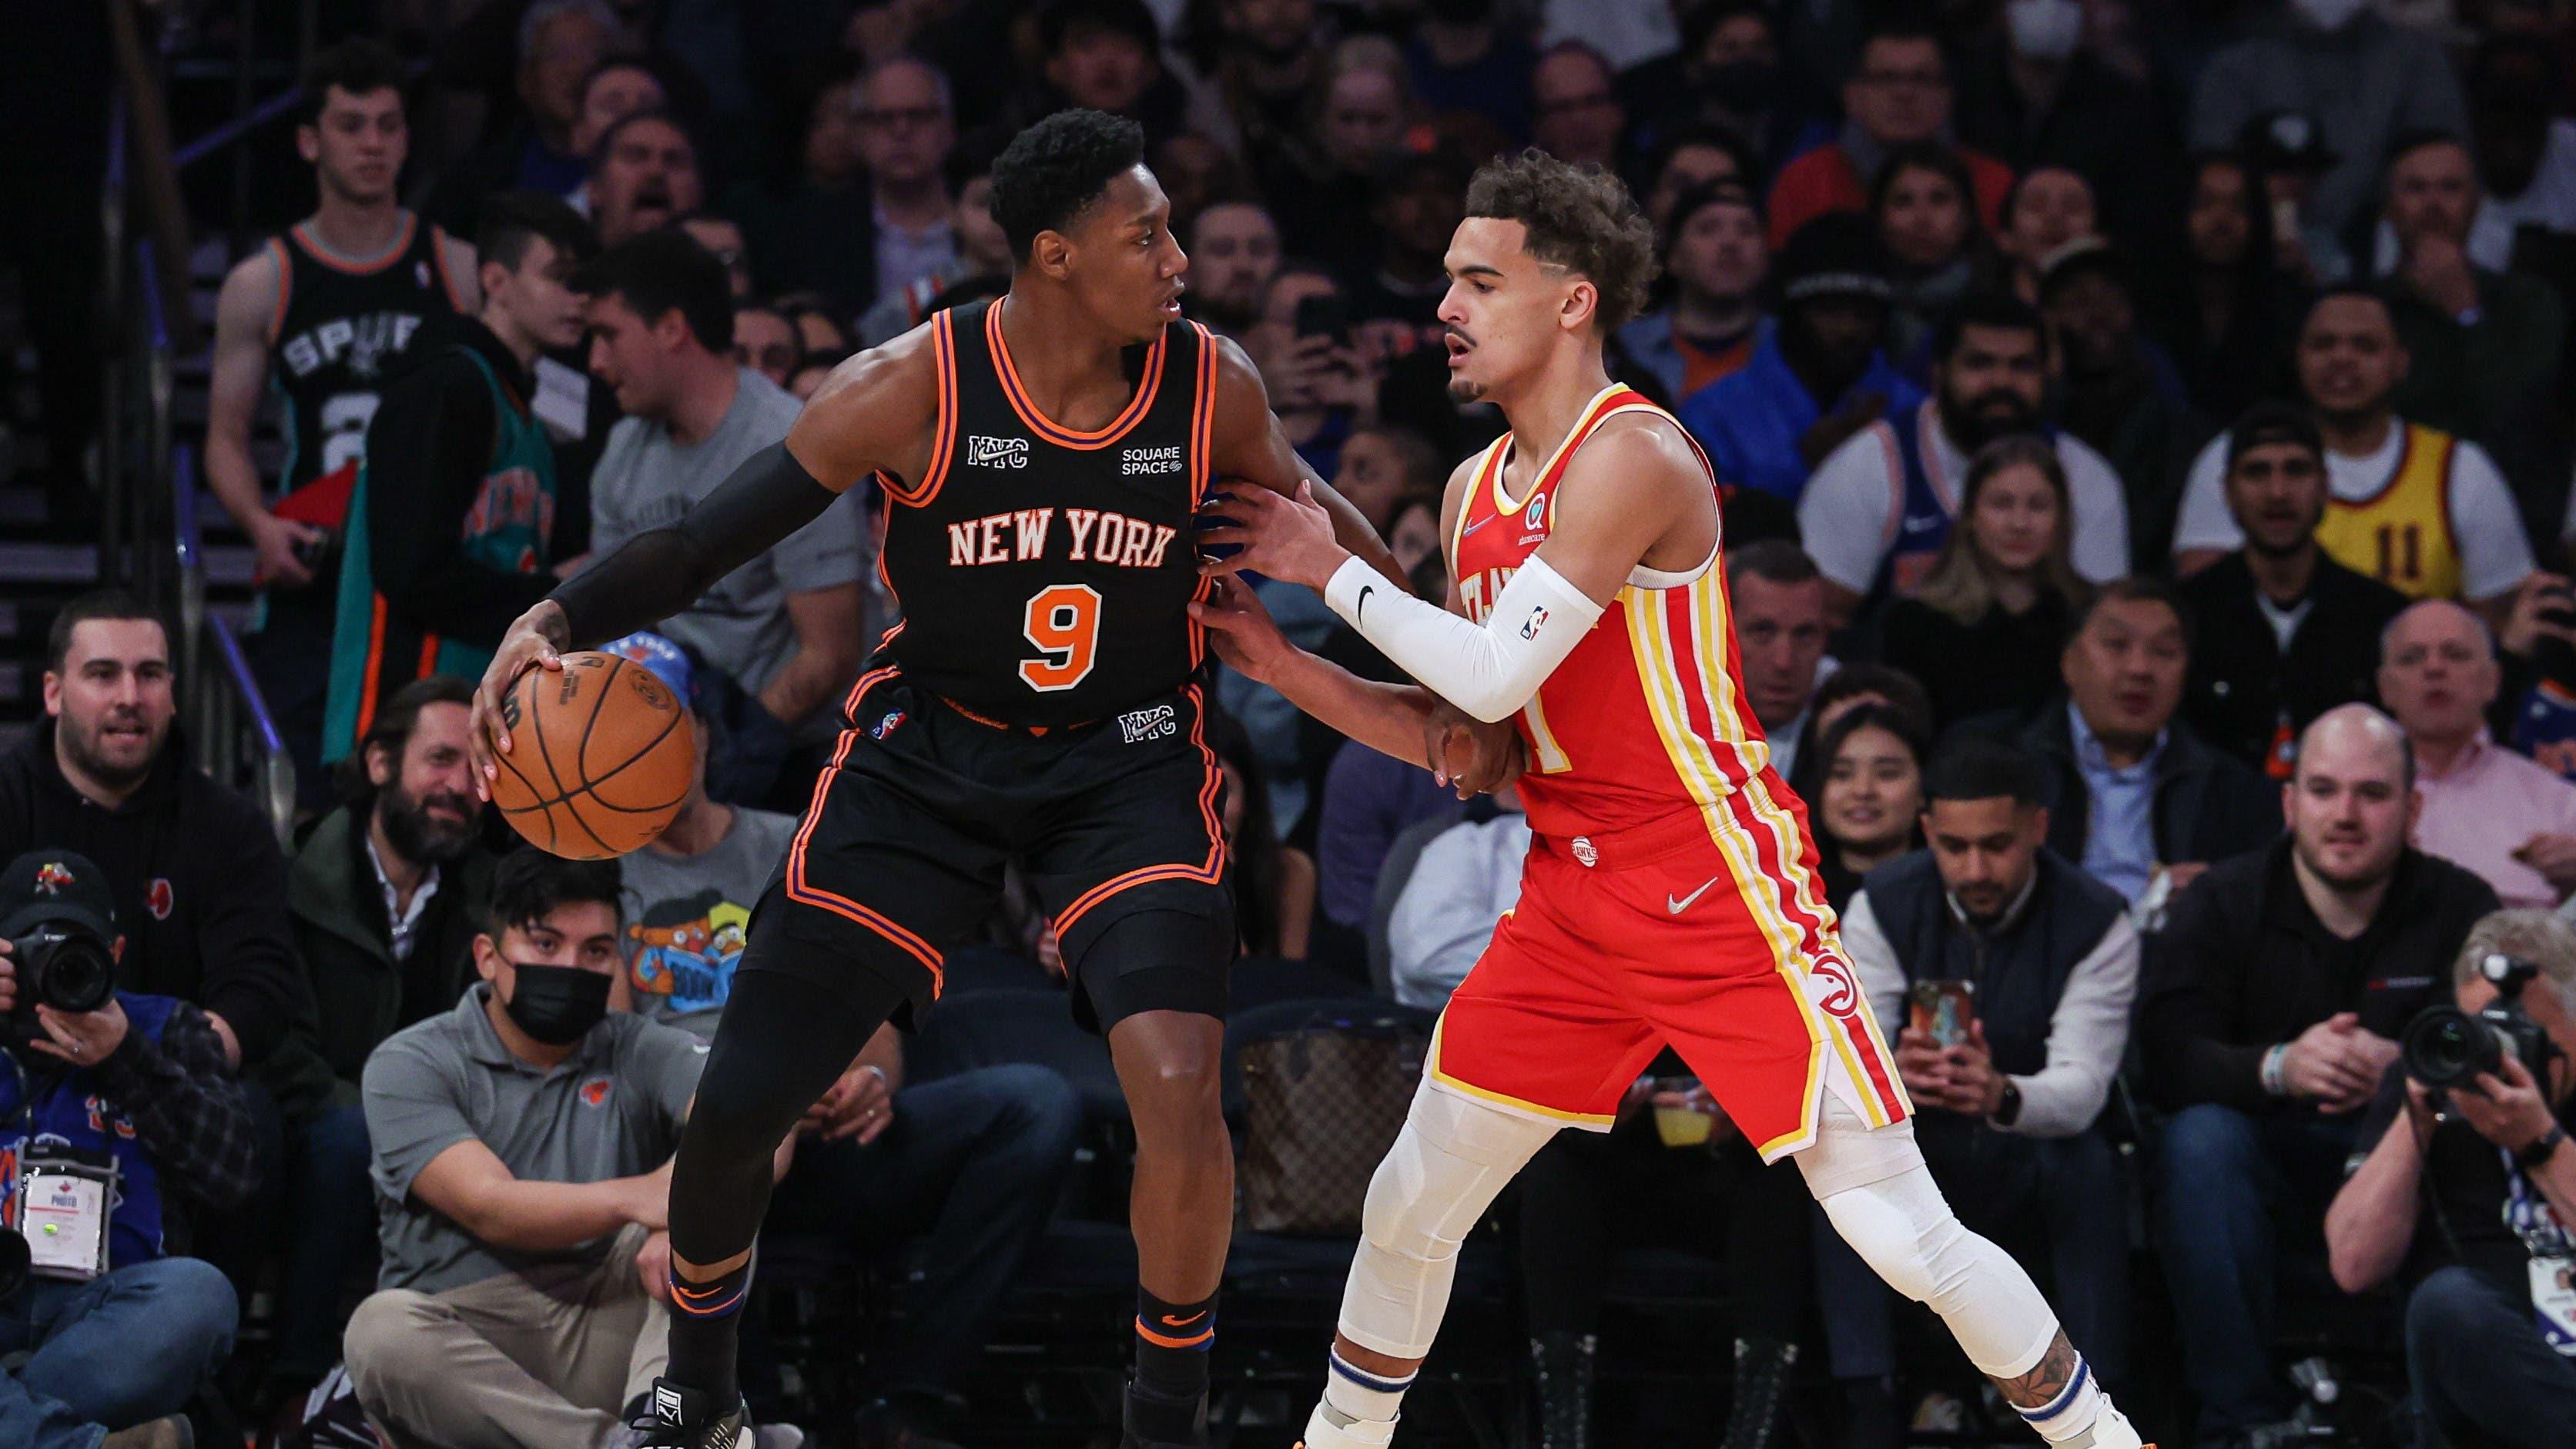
[1817, 376]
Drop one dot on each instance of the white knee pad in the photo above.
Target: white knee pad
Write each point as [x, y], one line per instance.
[1452, 1157]
[1881, 1198]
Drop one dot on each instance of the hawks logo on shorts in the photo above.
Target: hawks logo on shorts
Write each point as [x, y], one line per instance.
[1675, 895]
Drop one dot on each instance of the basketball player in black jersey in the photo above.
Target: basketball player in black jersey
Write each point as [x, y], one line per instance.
[323, 316]
[1043, 456]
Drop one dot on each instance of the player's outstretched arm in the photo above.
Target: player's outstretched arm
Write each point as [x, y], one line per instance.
[875, 411]
[1248, 444]
[1627, 494]
[1405, 721]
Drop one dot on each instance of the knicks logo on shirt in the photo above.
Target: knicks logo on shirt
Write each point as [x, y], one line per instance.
[984, 452]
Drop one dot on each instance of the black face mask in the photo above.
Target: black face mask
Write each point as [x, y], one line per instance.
[1745, 86]
[557, 1005]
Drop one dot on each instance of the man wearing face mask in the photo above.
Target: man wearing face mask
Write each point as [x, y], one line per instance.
[2491, 1300]
[2031, 94]
[2363, 79]
[522, 1167]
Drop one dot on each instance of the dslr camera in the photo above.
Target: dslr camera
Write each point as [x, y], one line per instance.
[2447, 1047]
[65, 964]
[56, 916]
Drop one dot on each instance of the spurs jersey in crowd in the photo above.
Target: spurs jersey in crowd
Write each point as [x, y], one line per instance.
[1046, 574]
[337, 337]
[1672, 895]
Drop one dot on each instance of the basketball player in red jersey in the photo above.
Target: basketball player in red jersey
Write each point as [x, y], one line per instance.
[1673, 894]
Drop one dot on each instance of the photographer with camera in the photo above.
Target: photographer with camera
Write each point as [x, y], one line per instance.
[2472, 1124]
[116, 1112]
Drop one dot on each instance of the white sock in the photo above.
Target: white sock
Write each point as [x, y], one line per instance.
[1359, 1407]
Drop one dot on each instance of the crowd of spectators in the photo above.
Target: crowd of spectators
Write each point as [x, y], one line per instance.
[2144, 440]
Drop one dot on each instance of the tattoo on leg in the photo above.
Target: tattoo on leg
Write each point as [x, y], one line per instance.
[2044, 1382]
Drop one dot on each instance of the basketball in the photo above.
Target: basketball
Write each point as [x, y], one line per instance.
[600, 757]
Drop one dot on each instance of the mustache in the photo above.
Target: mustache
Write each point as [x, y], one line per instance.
[1460, 333]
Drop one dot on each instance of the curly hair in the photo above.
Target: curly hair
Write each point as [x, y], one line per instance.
[1580, 218]
[1057, 168]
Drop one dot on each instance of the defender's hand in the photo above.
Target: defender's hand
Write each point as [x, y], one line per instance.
[1241, 631]
[1468, 754]
[1289, 539]
[537, 641]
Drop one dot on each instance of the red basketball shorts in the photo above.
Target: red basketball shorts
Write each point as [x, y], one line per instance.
[1668, 933]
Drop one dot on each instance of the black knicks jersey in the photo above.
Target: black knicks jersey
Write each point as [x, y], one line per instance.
[1045, 574]
[337, 337]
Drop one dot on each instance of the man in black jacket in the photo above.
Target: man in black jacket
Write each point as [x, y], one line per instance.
[2010, 1077]
[2133, 795]
[387, 896]
[198, 875]
[2279, 987]
[2281, 632]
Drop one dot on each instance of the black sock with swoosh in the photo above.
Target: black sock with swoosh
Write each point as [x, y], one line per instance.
[1172, 1343]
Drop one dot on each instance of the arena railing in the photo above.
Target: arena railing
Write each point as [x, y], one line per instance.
[149, 538]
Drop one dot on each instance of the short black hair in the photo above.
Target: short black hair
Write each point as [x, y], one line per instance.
[614, 63]
[97, 604]
[529, 885]
[2135, 589]
[1902, 691]
[1580, 218]
[664, 271]
[1129, 18]
[1053, 172]
[1906, 28]
[1998, 310]
[392, 728]
[649, 116]
[1703, 21]
[512, 219]
[1983, 767]
[2348, 290]
[358, 66]
[2273, 421]
[1772, 560]
[2415, 138]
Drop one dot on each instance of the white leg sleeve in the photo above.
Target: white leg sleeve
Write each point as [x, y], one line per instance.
[1452, 1157]
[1882, 1199]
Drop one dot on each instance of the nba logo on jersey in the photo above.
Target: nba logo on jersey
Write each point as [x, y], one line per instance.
[984, 452]
[1536, 621]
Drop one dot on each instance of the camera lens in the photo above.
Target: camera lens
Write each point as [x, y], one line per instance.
[2445, 1046]
[70, 971]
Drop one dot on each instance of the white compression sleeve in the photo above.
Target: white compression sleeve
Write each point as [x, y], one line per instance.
[1489, 670]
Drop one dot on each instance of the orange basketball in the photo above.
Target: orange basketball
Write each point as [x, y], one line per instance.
[600, 757]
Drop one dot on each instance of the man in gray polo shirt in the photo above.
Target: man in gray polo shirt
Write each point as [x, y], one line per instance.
[522, 1172]
[787, 627]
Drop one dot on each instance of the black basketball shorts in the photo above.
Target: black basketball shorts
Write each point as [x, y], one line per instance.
[1114, 824]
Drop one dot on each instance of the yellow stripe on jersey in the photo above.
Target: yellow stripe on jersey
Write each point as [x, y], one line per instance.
[1508, 1103]
[1660, 676]
[1551, 755]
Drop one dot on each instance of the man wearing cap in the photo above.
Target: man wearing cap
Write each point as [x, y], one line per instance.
[1716, 254]
[523, 1141]
[1817, 375]
[2364, 80]
[2281, 631]
[2118, 391]
[2409, 505]
[973, 1160]
[120, 1120]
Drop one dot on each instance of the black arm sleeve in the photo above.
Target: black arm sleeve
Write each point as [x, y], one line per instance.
[660, 572]
[426, 454]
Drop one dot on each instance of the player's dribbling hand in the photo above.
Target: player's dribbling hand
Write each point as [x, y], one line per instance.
[536, 640]
[1289, 539]
[1246, 639]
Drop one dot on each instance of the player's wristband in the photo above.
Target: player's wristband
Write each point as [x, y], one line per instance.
[2276, 1080]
